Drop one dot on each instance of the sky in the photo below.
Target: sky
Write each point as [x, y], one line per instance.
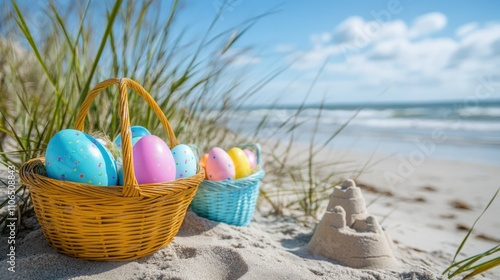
[364, 51]
[340, 51]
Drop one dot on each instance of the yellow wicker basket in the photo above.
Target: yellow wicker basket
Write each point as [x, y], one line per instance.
[110, 223]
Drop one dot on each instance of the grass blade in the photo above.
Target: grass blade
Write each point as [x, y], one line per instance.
[104, 39]
[459, 249]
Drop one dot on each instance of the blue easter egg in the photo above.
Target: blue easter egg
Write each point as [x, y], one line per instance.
[75, 156]
[137, 132]
[185, 161]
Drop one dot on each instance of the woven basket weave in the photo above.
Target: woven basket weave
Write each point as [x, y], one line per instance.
[110, 223]
[230, 202]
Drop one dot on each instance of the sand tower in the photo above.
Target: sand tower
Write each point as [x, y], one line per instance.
[349, 235]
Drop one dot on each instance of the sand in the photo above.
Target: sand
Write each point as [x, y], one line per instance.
[419, 213]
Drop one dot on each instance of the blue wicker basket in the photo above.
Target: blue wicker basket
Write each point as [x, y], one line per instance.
[230, 202]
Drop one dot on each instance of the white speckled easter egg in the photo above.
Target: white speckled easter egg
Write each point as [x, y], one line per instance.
[75, 156]
[219, 165]
[137, 132]
[153, 161]
[185, 161]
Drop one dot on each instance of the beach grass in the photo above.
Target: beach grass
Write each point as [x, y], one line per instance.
[48, 72]
[49, 66]
[478, 263]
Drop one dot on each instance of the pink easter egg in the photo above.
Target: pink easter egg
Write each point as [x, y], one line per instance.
[219, 165]
[251, 157]
[153, 161]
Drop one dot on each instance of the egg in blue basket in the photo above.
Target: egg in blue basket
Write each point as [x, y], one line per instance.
[137, 132]
[219, 165]
[185, 161]
[75, 156]
[251, 158]
[241, 162]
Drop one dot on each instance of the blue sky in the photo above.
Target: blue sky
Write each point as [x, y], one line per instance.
[372, 51]
[375, 50]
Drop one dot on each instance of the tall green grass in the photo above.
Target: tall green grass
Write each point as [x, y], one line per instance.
[52, 67]
[47, 70]
[48, 67]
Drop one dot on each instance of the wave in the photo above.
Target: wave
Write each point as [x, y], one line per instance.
[484, 110]
[469, 119]
[473, 130]
[427, 124]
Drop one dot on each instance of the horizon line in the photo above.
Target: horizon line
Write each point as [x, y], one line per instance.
[380, 105]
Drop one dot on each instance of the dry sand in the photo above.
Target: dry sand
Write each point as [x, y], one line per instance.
[207, 250]
[420, 215]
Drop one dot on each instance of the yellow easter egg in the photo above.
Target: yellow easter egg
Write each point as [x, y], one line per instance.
[241, 162]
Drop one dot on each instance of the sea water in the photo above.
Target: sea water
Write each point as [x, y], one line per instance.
[446, 130]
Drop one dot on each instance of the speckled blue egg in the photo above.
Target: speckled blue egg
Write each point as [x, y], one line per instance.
[185, 161]
[75, 156]
[137, 132]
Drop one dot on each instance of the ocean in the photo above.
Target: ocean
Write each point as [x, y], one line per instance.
[465, 131]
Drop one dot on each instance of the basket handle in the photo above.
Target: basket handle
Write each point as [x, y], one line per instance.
[257, 148]
[131, 187]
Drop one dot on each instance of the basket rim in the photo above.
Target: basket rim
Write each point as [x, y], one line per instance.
[30, 176]
[238, 184]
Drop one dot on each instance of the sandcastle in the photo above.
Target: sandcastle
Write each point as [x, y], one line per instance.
[349, 235]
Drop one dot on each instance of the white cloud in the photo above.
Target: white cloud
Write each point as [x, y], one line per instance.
[347, 39]
[427, 24]
[466, 28]
[364, 56]
[349, 30]
[385, 50]
[316, 57]
[480, 44]
[393, 29]
[322, 38]
[243, 59]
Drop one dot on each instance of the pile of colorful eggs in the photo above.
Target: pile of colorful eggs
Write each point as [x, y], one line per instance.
[234, 164]
[75, 156]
